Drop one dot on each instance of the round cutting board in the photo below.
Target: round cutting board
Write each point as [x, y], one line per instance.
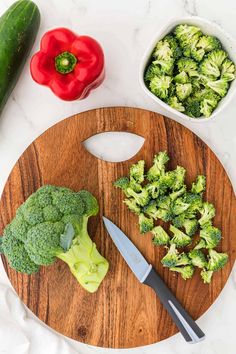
[123, 313]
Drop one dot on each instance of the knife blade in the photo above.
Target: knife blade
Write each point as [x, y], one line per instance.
[147, 275]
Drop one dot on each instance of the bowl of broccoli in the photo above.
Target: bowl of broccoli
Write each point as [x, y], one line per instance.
[189, 68]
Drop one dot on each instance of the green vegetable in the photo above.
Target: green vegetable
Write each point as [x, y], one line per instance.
[186, 271]
[198, 258]
[158, 194]
[160, 237]
[145, 224]
[160, 85]
[190, 71]
[217, 260]
[180, 239]
[171, 258]
[51, 224]
[19, 26]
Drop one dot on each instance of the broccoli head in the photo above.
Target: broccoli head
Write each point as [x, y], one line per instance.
[182, 78]
[209, 103]
[166, 66]
[217, 57]
[52, 224]
[220, 86]
[160, 237]
[171, 257]
[142, 198]
[122, 183]
[193, 108]
[160, 85]
[145, 224]
[197, 54]
[174, 46]
[183, 259]
[158, 167]
[179, 173]
[186, 271]
[177, 193]
[209, 68]
[179, 206]
[180, 239]
[216, 260]
[151, 209]
[198, 258]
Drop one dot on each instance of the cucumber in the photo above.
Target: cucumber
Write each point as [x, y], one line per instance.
[18, 29]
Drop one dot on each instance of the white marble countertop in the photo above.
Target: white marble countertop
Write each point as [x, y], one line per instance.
[124, 28]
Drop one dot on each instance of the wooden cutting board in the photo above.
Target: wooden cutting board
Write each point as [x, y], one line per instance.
[122, 313]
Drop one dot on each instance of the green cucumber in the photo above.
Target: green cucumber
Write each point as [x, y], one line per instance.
[18, 29]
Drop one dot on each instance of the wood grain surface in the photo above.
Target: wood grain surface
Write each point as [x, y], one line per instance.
[123, 313]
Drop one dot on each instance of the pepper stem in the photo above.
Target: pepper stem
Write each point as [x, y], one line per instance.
[65, 62]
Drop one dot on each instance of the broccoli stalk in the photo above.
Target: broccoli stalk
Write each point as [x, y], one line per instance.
[52, 224]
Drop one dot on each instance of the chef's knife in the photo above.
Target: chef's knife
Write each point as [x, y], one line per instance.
[146, 274]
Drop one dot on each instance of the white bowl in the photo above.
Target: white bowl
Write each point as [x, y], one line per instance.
[207, 27]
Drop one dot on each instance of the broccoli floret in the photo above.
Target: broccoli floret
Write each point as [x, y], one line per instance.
[151, 72]
[216, 260]
[179, 173]
[174, 46]
[217, 56]
[179, 220]
[179, 206]
[211, 236]
[206, 276]
[193, 108]
[183, 91]
[208, 43]
[158, 167]
[56, 227]
[191, 226]
[159, 187]
[166, 66]
[133, 206]
[180, 239]
[197, 54]
[186, 271]
[189, 66]
[209, 68]
[159, 86]
[162, 50]
[176, 104]
[220, 86]
[171, 258]
[142, 198]
[195, 201]
[207, 213]
[198, 258]
[122, 183]
[183, 259]
[167, 179]
[137, 171]
[160, 237]
[145, 224]
[151, 209]
[181, 78]
[177, 193]
[163, 214]
[16, 253]
[164, 202]
[188, 37]
[199, 185]
[228, 70]
[209, 103]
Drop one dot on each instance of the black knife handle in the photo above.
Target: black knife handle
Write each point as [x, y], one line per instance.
[187, 326]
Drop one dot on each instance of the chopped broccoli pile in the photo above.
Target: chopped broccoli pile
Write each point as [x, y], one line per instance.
[51, 224]
[190, 71]
[155, 194]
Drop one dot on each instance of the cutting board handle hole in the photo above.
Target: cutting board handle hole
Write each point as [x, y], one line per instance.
[114, 146]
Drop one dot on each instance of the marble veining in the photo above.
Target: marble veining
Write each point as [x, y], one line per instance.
[124, 28]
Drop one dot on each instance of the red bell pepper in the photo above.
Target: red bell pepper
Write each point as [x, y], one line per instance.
[69, 64]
